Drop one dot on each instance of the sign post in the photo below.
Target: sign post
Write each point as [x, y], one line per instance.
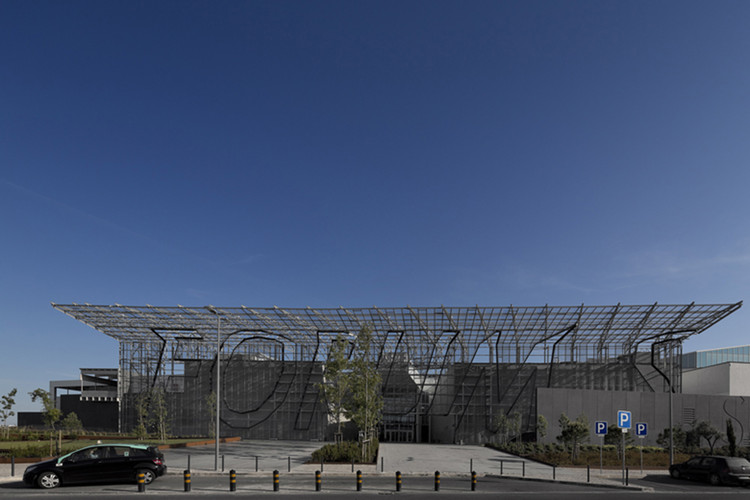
[600, 427]
[641, 430]
[624, 422]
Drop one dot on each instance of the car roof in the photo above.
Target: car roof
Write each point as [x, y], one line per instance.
[100, 445]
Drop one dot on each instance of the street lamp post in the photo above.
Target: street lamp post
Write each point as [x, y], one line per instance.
[218, 383]
[668, 379]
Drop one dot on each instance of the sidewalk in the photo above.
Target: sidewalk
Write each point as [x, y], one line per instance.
[289, 457]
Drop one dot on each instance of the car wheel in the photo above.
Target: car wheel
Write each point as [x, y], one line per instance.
[48, 480]
[675, 474]
[714, 479]
[148, 475]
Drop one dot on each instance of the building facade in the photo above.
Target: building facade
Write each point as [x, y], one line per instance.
[447, 372]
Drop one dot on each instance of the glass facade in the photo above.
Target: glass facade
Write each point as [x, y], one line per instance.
[701, 359]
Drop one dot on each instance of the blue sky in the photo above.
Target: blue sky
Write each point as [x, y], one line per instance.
[365, 153]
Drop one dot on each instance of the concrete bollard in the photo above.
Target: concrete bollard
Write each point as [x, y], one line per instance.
[318, 480]
[359, 480]
[275, 480]
[398, 480]
[232, 480]
[141, 482]
[186, 480]
[437, 480]
[473, 480]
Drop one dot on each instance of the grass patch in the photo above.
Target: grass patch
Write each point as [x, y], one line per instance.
[589, 455]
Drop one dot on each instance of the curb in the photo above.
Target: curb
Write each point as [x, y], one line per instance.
[576, 483]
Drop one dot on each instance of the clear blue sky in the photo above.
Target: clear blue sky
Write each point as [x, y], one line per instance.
[366, 153]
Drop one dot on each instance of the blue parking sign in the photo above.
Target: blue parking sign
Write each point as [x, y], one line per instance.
[600, 427]
[624, 420]
[641, 429]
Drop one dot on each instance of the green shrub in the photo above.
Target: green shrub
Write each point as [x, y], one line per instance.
[29, 450]
[345, 452]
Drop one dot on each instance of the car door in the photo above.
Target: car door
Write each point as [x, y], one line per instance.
[82, 466]
[691, 469]
[120, 463]
[703, 471]
[113, 465]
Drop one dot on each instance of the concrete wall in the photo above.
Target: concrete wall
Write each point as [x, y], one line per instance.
[739, 379]
[649, 407]
[709, 380]
[726, 379]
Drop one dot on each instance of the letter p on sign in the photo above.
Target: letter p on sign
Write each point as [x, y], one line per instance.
[601, 428]
[624, 420]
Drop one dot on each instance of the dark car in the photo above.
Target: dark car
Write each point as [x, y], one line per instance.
[98, 463]
[714, 469]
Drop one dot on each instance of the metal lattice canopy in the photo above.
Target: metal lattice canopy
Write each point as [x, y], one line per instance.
[622, 328]
[449, 370]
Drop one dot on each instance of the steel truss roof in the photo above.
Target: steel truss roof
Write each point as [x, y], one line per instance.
[624, 326]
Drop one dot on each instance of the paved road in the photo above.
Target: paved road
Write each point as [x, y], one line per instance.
[374, 486]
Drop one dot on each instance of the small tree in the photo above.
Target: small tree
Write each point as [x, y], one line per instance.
[507, 426]
[364, 405]
[72, 423]
[541, 426]
[614, 437]
[500, 427]
[366, 402]
[141, 415]
[337, 381]
[731, 439]
[573, 433]
[515, 426]
[211, 405]
[678, 441]
[50, 414]
[159, 413]
[704, 430]
[6, 412]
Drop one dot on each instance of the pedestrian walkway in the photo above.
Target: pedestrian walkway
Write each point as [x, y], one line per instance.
[243, 456]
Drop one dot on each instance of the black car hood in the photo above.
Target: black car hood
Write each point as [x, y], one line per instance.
[46, 462]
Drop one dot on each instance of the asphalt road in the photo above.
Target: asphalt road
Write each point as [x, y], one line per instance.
[298, 486]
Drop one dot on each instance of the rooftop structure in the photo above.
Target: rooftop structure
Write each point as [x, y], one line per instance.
[710, 357]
